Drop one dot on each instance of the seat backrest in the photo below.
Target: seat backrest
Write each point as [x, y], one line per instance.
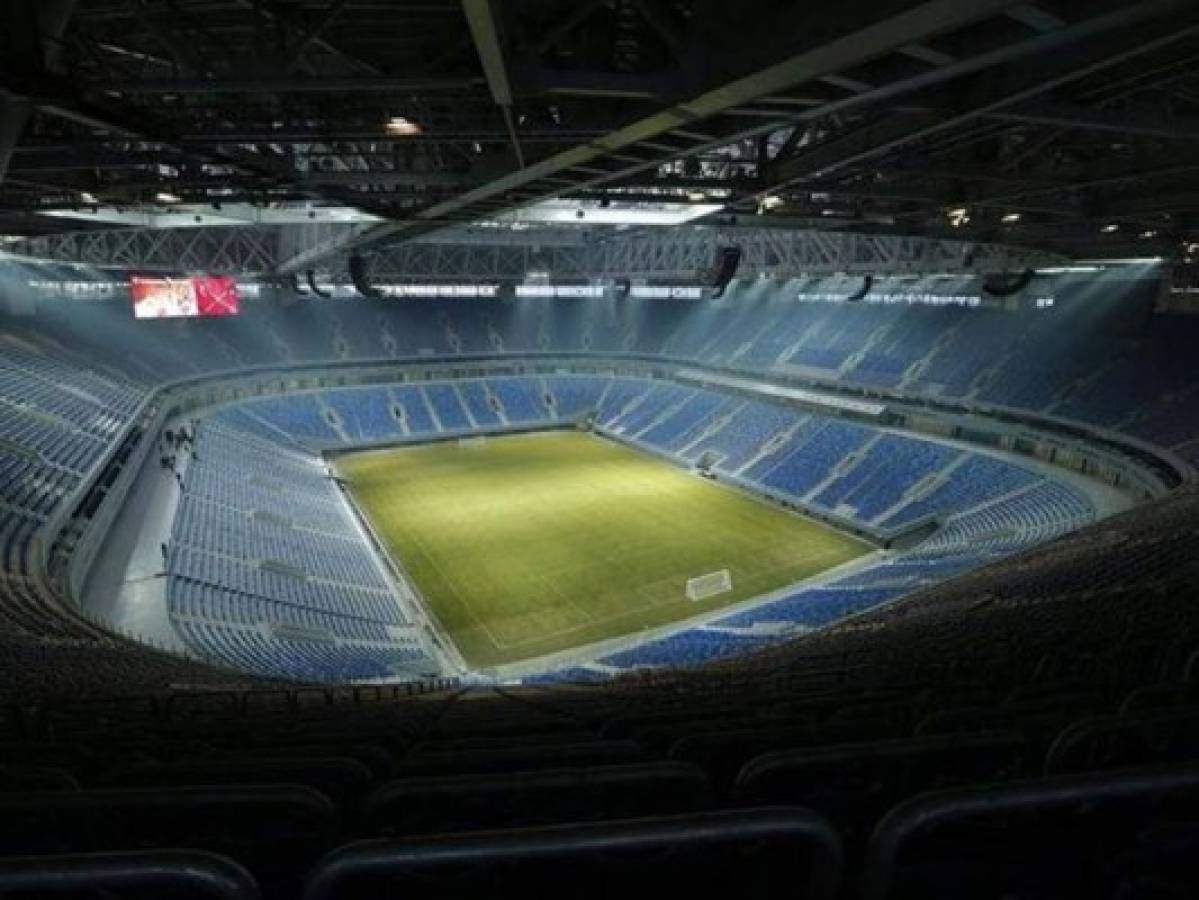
[852, 784]
[234, 820]
[36, 778]
[338, 777]
[723, 753]
[1096, 835]
[1108, 742]
[521, 758]
[175, 873]
[730, 853]
[448, 803]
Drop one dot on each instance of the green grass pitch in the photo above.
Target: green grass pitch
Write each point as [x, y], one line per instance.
[526, 545]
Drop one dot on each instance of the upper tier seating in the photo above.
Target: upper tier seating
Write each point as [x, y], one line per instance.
[1104, 358]
[834, 334]
[58, 418]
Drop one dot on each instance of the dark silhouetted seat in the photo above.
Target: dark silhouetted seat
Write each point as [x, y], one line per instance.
[161, 873]
[733, 853]
[1114, 835]
[1109, 742]
[36, 778]
[521, 758]
[853, 784]
[340, 778]
[265, 828]
[722, 754]
[461, 802]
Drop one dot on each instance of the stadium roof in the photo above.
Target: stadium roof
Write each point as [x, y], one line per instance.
[1064, 125]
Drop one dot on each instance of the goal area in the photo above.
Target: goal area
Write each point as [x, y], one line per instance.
[701, 587]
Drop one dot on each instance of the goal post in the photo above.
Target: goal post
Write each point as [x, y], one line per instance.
[701, 587]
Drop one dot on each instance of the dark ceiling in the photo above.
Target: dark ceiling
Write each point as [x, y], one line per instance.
[1066, 124]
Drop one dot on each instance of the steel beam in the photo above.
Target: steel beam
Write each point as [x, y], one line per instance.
[268, 13]
[313, 34]
[1108, 179]
[484, 29]
[289, 85]
[1032, 88]
[1084, 119]
[877, 39]
[387, 179]
[234, 251]
[686, 256]
[833, 150]
[481, 254]
[581, 12]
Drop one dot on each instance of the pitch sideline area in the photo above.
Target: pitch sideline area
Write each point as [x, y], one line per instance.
[531, 544]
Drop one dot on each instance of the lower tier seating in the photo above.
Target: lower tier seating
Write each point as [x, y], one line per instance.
[988, 506]
[270, 575]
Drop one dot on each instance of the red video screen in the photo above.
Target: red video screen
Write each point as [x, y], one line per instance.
[172, 298]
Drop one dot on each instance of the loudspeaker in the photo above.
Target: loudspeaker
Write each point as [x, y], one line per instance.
[360, 278]
[1014, 285]
[727, 260]
[867, 284]
[315, 289]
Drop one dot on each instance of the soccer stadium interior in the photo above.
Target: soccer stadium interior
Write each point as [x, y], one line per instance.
[587, 448]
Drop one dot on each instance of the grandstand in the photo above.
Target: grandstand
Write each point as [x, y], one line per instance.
[457, 447]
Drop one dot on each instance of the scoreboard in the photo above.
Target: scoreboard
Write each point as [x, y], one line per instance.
[172, 298]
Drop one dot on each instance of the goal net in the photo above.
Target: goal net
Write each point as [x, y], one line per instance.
[704, 586]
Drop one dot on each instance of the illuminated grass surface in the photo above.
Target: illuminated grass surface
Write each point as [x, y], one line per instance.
[531, 544]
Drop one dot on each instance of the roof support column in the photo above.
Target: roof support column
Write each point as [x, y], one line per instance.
[13, 114]
[480, 16]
